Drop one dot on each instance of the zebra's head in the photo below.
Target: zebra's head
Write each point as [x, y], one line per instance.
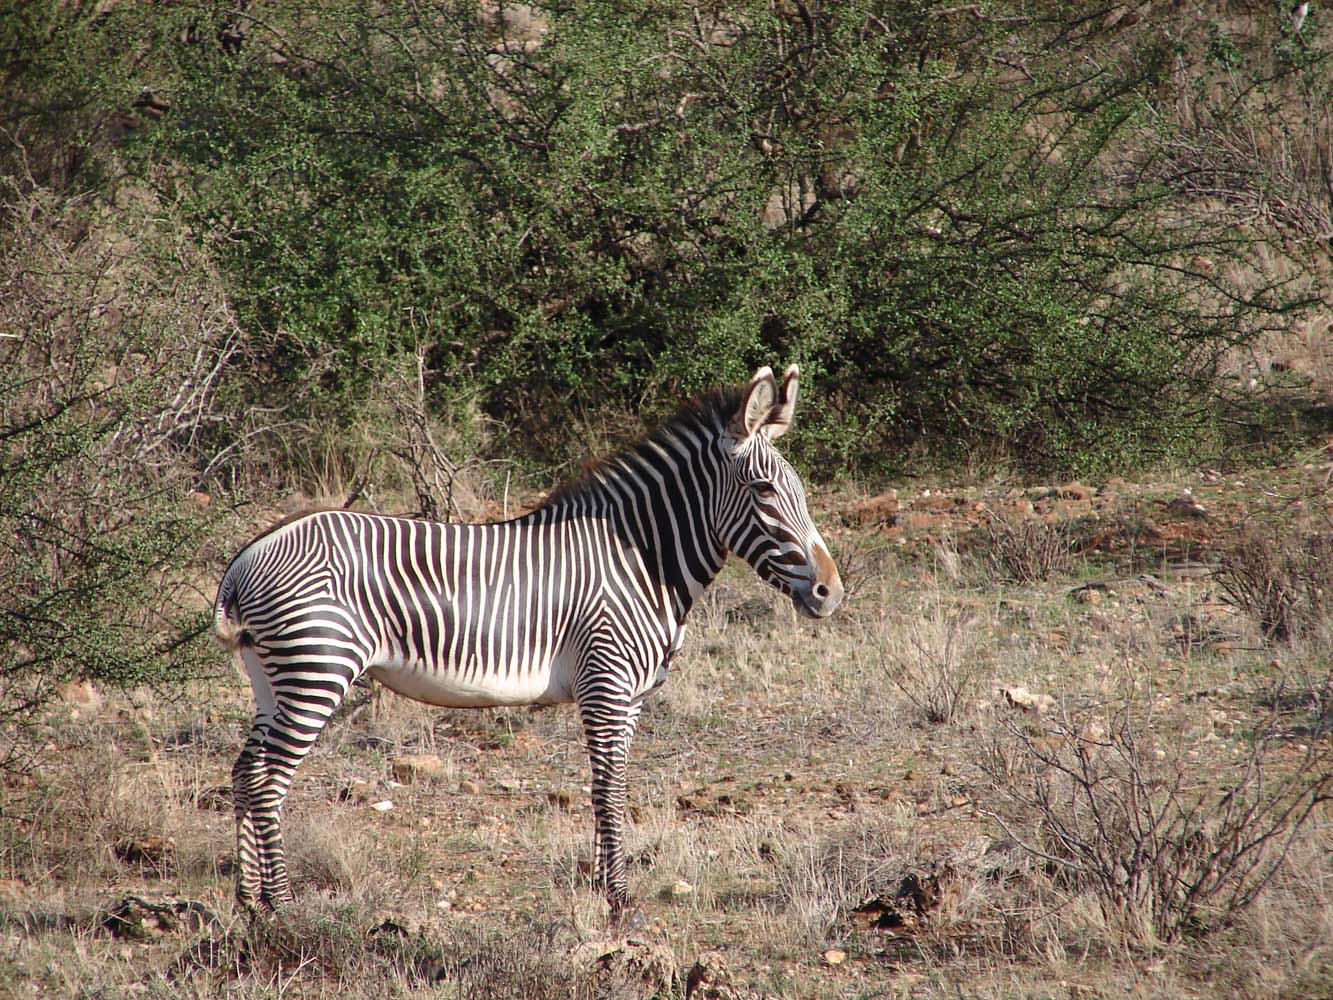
[764, 518]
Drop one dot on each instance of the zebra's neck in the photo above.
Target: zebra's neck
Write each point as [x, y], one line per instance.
[659, 497]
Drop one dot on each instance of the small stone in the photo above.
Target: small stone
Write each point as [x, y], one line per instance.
[414, 767]
[382, 806]
[834, 956]
[468, 786]
[681, 888]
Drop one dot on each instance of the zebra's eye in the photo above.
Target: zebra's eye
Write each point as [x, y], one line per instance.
[764, 490]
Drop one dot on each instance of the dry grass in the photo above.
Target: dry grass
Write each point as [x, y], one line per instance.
[789, 796]
[935, 659]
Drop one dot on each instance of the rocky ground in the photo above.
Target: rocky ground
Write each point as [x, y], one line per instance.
[863, 808]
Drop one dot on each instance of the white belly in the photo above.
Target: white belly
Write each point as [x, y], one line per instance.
[453, 689]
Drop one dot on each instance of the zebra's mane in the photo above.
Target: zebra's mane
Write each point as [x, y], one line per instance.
[710, 411]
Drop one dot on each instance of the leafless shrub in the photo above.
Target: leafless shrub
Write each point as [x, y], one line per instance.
[440, 488]
[1028, 551]
[1160, 857]
[115, 338]
[1285, 584]
[936, 665]
[864, 561]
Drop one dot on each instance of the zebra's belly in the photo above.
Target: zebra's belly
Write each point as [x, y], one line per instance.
[450, 687]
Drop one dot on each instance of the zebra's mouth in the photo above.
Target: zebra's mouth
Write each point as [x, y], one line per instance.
[814, 604]
[805, 609]
[814, 601]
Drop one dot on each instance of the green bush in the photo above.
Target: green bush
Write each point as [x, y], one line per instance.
[1026, 229]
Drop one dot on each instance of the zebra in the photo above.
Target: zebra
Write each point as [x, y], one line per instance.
[583, 600]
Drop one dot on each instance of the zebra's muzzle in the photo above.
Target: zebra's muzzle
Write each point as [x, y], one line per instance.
[821, 597]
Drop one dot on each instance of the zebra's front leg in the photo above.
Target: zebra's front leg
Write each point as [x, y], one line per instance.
[608, 727]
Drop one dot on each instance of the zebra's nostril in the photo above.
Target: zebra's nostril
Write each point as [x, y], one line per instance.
[820, 591]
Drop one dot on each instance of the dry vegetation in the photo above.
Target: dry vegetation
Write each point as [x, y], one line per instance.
[960, 785]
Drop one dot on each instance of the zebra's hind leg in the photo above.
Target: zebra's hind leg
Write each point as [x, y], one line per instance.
[293, 702]
[608, 726]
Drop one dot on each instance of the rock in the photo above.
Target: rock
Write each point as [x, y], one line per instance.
[414, 767]
[874, 510]
[1025, 700]
[681, 888]
[82, 695]
[1071, 491]
[469, 787]
[382, 806]
[710, 979]
[834, 956]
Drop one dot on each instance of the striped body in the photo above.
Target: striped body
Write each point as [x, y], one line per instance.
[584, 600]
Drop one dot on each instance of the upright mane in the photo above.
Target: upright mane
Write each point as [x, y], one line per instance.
[710, 411]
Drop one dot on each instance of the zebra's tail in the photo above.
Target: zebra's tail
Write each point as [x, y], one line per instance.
[227, 626]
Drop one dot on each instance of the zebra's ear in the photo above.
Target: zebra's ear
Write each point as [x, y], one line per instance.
[780, 417]
[757, 402]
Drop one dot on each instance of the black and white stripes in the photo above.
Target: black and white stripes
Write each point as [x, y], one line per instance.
[583, 600]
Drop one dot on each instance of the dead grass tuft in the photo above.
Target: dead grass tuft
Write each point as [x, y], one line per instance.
[934, 661]
[1284, 583]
